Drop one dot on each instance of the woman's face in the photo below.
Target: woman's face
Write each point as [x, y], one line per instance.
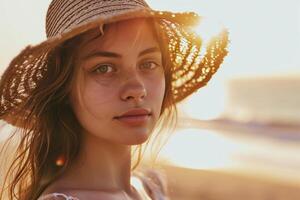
[116, 73]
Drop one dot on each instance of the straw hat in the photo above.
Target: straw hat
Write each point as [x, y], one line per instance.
[191, 69]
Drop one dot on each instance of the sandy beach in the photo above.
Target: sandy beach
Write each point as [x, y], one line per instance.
[187, 184]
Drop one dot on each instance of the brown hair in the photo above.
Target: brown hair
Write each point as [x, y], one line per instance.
[51, 128]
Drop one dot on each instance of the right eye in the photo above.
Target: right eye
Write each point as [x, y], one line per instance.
[103, 69]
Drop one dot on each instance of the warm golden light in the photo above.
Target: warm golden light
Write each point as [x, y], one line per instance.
[206, 104]
[199, 149]
[208, 28]
[6, 130]
[234, 153]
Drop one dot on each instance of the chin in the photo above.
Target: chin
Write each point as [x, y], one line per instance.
[138, 139]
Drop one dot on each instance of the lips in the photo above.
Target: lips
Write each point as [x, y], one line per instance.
[135, 113]
[135, 117]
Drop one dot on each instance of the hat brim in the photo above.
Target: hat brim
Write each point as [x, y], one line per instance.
[189, 71]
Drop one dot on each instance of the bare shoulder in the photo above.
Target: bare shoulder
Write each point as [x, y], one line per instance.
[156, 178]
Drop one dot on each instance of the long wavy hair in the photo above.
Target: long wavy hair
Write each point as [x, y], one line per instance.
[51, 128]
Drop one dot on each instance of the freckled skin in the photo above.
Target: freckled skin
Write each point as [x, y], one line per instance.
[98, 97]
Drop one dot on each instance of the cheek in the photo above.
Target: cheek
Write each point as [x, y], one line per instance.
[98, 99]
[161, 89]
[157, 90]
[95, 94]
[92, 101]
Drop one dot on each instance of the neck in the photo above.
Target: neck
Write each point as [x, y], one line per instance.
[101, 166]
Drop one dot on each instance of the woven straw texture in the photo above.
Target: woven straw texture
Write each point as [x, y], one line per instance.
[193, 64]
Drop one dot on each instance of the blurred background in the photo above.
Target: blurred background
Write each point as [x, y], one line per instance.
[239, 137]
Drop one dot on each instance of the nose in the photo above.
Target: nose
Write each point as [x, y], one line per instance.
[133, 89]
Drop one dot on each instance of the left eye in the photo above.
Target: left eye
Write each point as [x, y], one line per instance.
[103, 69]
[149, 65]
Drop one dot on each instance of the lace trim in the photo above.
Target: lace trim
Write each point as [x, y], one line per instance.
[58, 195]
[149, 180]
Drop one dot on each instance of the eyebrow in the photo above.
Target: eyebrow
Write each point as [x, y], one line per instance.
[115, 55]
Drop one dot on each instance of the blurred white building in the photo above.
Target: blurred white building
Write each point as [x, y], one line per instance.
[264, 99]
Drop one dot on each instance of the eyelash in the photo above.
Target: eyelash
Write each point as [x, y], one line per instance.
[99, 66]
[151, 62]
[95, 70]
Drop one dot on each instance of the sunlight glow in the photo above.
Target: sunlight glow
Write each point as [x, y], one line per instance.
[208, 27]
[199, 149]
[233, 152]
[206, 104]
[6, 130]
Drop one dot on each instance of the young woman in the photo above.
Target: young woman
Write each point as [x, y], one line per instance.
[109, 73]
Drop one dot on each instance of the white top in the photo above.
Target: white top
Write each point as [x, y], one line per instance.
[56, 196]
[150, 185]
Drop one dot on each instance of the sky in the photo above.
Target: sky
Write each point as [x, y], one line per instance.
[264, 34]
